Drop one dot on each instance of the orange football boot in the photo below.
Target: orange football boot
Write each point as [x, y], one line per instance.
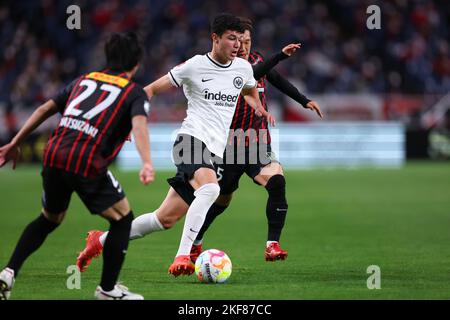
[274, 252]
[182, 265]
[93, 250]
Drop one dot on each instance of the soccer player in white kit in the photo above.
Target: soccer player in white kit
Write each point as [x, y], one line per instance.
[212, 84]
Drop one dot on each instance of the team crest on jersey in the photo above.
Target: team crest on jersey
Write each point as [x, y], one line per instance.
[238, 82]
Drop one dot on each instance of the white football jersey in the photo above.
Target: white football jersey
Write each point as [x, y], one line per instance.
[212, 91]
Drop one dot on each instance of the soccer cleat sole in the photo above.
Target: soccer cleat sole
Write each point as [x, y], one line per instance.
[181, 272]
[278, 257]
[185, 271]
[3, 290]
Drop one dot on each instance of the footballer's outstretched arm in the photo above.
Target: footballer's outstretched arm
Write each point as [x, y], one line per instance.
[261, 69]
[288, 88]
[251, 96]
[141, 136]
[11, 151]
[156, 87]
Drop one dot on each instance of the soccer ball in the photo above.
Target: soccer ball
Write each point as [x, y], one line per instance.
[213, 266]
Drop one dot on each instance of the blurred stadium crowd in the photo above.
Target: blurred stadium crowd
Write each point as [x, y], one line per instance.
[410, 54]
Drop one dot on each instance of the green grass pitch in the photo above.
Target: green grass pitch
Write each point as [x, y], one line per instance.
[339, 223]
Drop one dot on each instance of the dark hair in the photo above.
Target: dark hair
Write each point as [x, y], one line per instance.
[247, 23]
[123, 51]
[226, 21]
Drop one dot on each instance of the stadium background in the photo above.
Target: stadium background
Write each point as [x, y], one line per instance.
[400, 74]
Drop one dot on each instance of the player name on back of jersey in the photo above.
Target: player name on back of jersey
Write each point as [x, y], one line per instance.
[79, 125]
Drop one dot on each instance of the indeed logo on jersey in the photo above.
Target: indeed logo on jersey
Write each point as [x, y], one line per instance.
[224, 100]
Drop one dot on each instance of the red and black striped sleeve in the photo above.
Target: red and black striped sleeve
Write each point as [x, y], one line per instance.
[64, 94]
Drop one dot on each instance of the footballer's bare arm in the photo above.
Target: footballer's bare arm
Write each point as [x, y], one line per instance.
[11, 151]
[158, 86]
[141, 136]
[251, 96]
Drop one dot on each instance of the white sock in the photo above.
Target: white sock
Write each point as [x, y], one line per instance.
[204, 198]
[102, 238]
[140, 227]
[145, 224]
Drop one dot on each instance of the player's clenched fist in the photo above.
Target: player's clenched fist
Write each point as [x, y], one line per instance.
[147, 174]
